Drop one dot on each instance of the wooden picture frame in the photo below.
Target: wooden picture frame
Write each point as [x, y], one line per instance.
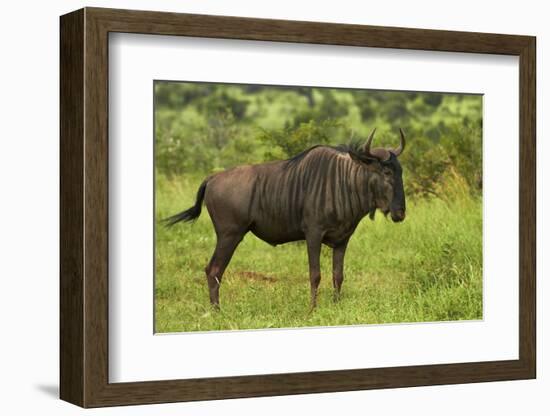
[84, 207]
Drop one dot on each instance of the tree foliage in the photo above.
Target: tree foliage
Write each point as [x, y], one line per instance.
[201, 128]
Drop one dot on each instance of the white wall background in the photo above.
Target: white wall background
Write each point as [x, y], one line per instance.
[29, 206]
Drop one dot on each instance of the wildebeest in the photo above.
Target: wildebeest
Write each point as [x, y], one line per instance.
[319, 196]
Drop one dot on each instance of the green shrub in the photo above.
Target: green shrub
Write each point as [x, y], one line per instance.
[289, 141]
[201, 128]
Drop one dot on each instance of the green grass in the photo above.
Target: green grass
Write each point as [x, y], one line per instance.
[428, 268]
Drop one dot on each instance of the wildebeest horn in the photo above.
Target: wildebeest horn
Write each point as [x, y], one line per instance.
[401, 147]
[377, 153]
[366, 147]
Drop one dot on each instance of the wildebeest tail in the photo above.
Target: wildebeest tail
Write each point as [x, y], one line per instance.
[191, 213]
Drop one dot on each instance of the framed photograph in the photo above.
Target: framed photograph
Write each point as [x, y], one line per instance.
[255, 207]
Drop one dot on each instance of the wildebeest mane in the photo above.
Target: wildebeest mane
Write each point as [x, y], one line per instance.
[354, 149]
[297, 158]
[351, 148]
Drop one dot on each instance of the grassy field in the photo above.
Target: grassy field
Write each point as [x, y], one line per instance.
[428, 268]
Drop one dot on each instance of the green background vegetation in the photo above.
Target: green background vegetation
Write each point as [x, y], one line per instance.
[428, 268]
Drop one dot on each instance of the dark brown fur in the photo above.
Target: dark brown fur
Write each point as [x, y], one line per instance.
[319, 196]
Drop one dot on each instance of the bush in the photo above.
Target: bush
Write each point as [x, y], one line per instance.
[289, 141]
[195, 146]
[201, 128]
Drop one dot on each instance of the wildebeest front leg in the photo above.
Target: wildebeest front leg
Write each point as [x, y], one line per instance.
[338, 254]
[314, 252]
[225, 247]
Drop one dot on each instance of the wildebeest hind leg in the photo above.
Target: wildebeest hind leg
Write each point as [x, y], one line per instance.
[225, 247]
[338, 254]
[314, 252]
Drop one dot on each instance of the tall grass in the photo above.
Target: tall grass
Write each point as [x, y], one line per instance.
[428, 268]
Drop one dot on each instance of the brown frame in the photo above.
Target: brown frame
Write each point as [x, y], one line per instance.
[84, 207]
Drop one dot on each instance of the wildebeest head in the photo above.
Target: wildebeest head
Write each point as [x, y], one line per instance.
[387, 183]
